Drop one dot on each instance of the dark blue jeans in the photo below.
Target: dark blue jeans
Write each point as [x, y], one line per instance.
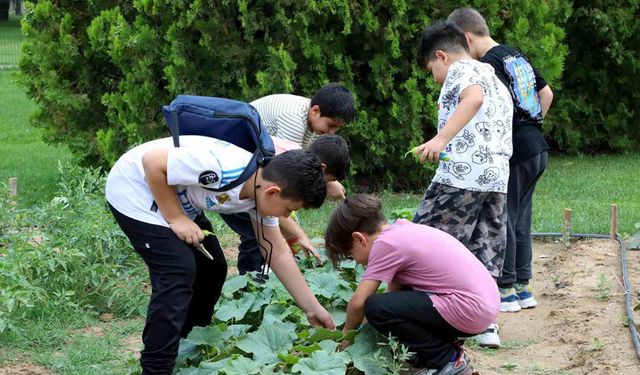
[522, 183]
[185, 287]
[411, 317]
[249, 255]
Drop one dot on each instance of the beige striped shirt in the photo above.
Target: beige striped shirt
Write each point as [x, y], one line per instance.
[285, 116]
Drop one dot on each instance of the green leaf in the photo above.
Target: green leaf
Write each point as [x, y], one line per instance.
[339, 316]
[321, 363]
[326, 285]
[235, 331]
[243, 366]
[267, 342]
[319, 334]
[263, 297]
[307, 349]
[234, 284]
[364, 349]
[330, 346]
[288, 358]
[235, 308]
[210, 335]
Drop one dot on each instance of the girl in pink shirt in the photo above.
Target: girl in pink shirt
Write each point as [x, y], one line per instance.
[437, 290]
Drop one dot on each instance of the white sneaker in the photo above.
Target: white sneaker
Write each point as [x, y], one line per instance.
[489, 338]
[509, 300]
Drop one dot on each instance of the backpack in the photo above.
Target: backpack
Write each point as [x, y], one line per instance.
[229, 120]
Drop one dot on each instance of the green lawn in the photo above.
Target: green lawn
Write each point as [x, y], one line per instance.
[10, 41]
[22, 152]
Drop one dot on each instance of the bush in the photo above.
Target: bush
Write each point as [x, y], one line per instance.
[101, 70]
[67, 256]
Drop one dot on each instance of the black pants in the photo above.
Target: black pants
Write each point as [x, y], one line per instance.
[249, 254]
[412, 319]
[522, 183]
[185, 287]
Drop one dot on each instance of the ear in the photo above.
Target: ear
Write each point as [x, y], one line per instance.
[272, 190]
[314, 111]
[440, 54]
[359, 238]
[469, 37]
[324, 167]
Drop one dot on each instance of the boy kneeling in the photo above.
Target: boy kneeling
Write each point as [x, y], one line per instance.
[437, 290]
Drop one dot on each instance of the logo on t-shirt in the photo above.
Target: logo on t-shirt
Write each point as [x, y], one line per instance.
[523, 84]
[208, 178]
[222, 198]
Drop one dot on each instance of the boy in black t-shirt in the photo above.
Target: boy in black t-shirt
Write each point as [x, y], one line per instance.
[532, 98]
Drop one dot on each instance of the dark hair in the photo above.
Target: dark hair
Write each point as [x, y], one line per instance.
[443, 36]
[335, 101]
[357, 213]
[469, 20]
[299, 175]
[333, 151]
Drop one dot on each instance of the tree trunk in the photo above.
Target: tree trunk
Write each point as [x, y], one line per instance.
[4, 10]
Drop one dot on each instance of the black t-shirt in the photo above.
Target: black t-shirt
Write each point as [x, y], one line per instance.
[523, 82]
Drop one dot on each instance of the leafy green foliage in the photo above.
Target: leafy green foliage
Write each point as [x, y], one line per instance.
[66, 256]
[101, 70]
[275, 338]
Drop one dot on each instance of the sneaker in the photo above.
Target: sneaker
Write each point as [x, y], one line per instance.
[509, 300]
[489, 338]
[460, 366]
[525, 296]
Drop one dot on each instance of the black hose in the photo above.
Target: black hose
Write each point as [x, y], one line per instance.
[625, 279]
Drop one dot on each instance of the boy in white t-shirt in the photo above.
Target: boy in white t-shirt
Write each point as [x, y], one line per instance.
[157, 193]
[437, 291]
[467, 197]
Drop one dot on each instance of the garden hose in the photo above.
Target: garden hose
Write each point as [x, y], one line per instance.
[625, 279]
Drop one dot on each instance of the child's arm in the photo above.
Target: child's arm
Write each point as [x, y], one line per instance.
[355, 308]
[154, 163]
[289, 274]
[393, 287]
[546, 97]
[471, 100]
[290, 229]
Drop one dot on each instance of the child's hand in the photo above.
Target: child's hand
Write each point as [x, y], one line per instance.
[309, 249]
[335, 190]
[187, 230]
[344, 344]
[319, 316]
[431, 150]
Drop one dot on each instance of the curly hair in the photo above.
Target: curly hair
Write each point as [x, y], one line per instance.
[299, 175]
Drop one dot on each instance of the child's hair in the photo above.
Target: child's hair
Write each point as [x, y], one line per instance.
[443, 36]
[469, 20]
[357, 213]
[299, 175]
[335, 101]
[333, 151]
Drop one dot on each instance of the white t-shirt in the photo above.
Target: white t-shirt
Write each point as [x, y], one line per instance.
[199, 161]
[480, 152]
[285, 116]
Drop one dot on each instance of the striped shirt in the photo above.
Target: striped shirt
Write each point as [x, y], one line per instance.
[285, 116]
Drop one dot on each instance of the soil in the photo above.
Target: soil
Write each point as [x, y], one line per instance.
[579, 325]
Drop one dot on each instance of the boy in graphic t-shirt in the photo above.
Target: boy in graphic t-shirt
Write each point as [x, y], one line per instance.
[467, 197]
[437, 290]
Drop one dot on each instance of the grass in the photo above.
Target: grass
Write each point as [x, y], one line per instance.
[11, 39]
[22, 153]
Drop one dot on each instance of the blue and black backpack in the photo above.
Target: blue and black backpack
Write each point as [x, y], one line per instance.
[225, 119]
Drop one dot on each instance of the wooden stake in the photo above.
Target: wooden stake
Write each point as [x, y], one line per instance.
[566, 231]
[614, 222]
[13, 186]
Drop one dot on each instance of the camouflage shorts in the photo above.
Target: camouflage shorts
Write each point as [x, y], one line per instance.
[477, 219]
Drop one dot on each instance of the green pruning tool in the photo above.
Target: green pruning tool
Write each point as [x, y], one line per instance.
[201, 247]
[442, 156]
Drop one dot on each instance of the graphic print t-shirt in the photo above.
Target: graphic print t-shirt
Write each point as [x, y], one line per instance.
[285, 116]
[480, 152]
[430, 260]
[198, 162]
[523, 82]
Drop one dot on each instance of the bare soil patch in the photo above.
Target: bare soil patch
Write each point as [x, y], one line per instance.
[579, 325]
[23, 369]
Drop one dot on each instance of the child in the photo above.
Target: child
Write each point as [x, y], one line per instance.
[333, 153]
[157, 195]
[467, 197]
[437, 290]
[531, 98]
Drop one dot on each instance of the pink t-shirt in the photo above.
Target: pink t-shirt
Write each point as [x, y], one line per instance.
[283, 145]
[430, 260]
